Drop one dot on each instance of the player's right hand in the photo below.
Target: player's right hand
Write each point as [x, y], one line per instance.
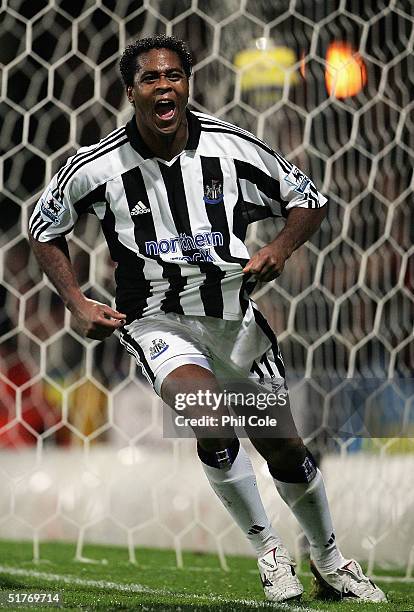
[95, 320]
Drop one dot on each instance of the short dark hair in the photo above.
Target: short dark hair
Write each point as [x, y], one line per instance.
[128, 62]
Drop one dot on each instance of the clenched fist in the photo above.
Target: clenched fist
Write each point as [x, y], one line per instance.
[268, 263]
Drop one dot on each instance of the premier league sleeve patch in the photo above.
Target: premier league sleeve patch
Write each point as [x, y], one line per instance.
[51, 208]
[297, 180]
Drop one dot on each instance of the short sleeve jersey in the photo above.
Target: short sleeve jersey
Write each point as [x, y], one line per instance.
[176, 229]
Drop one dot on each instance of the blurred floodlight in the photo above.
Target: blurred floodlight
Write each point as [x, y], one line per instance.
[345, 73]
[264, 64]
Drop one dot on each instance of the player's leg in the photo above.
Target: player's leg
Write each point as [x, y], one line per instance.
[299, 482]
[225, 462]
[301, 485]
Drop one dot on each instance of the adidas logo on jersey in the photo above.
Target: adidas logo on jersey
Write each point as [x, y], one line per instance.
[140, 209]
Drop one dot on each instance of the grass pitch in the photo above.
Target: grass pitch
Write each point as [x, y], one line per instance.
[106, 580]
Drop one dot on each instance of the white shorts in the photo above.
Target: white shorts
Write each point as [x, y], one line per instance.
[229, 349]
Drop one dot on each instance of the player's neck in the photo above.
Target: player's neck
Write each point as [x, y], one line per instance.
[165, 146]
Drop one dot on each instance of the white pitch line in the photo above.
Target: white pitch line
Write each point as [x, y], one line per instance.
[140, 588]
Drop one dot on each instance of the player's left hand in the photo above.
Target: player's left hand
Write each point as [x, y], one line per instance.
[268, 263]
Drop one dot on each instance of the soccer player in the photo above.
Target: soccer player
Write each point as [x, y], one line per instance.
[175, 191]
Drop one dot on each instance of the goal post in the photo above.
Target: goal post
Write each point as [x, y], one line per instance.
[83, 457]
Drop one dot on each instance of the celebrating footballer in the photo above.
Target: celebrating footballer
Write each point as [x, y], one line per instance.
[175, 192]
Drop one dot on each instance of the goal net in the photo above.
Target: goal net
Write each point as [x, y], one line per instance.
[328, 83]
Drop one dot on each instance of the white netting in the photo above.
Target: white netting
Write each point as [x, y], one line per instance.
[82, 449]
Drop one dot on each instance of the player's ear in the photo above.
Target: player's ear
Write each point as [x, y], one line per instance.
[130, 94]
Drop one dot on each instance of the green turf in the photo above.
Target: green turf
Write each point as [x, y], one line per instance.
[201, 585]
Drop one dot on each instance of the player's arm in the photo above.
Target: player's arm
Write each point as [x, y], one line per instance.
[91, 318]
[301, 223]
[54, 215]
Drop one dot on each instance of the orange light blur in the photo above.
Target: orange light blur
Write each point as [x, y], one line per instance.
[302, 64]
[345, 73]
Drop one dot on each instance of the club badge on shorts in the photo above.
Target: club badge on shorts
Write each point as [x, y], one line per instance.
[157, 347]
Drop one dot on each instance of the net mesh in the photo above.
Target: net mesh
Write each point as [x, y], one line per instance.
[342, 308]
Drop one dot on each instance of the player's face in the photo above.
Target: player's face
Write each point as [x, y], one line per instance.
[160, 91]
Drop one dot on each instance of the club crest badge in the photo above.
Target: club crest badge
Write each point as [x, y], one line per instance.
[213, 192]
[51, 207]
[157, 347]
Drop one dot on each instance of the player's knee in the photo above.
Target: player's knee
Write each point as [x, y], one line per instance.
[218, 453]
[292, 462]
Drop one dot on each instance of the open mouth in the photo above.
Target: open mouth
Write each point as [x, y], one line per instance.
[165, 109]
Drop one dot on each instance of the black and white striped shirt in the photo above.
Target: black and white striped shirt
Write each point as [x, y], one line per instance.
[176, 228]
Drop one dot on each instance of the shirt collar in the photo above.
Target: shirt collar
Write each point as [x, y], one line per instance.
[135, 138]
